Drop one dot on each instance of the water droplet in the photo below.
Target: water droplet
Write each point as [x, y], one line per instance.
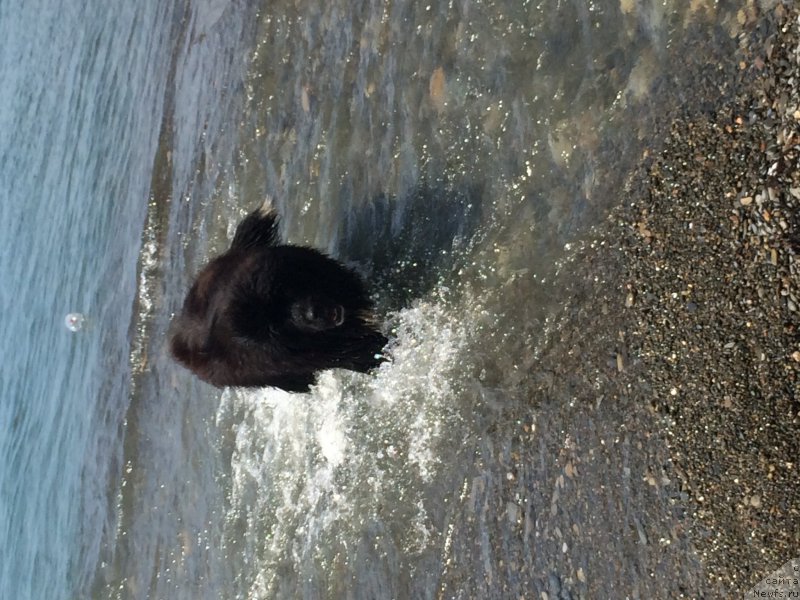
[74, 322]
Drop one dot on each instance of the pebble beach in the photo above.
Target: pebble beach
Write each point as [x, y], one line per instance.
[696, 274]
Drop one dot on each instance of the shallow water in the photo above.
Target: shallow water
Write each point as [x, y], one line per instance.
[451, 152]
[442, 474]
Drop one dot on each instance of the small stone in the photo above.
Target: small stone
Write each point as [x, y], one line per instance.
[755, 502]
[629, 300]
[746, 200]
[437, 87]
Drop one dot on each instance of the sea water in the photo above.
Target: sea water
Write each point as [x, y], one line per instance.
[82, 90]
[81, 104]
[448, 151]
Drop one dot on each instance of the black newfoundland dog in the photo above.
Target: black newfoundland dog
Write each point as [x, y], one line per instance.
[268, 314]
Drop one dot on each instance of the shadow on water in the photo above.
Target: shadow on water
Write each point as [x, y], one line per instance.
[409, 244]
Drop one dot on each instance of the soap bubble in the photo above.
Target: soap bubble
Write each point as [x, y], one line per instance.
[74, 321]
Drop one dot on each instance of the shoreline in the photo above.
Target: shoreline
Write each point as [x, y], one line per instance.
[704, 422]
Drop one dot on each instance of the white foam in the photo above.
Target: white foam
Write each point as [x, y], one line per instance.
[307, 465]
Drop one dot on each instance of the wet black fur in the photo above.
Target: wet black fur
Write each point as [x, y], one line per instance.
[268, 314]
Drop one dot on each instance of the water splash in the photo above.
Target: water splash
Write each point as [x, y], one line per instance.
[311, 474]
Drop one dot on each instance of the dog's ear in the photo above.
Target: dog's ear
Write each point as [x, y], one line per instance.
[259, 229]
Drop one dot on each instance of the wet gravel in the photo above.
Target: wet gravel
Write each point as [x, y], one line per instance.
[705, 330]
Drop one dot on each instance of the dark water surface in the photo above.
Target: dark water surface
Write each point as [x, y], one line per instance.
[452, 152]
